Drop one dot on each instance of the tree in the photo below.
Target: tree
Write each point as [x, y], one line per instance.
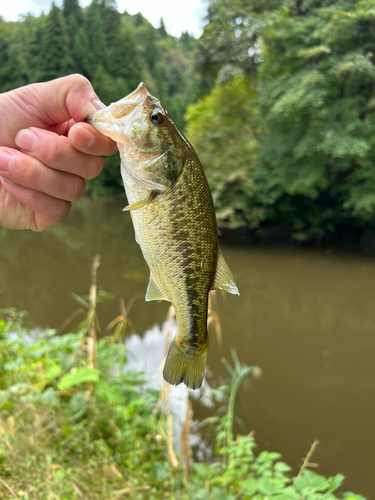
[313, 64]
[78, 43]
[229, 44]
[162, 29]
[316, 88]
[95, 33]
[55, 58]
[125, 59]
[223, 129]
[13, 70]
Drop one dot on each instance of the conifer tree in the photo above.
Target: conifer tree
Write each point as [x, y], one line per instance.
[162, 29]
[13, 71]
[98, 55]
[111, 20]
[78, 42]
[125, 58]
[55, 57]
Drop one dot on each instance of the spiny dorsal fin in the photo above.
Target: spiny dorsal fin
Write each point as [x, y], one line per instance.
[153, 291]
[223, 278]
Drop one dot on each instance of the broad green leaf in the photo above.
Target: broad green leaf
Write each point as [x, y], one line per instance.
[270, 485]
[315, 481]
[249, 486]
[80, 376]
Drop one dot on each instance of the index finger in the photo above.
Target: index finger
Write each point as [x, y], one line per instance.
[87, 139]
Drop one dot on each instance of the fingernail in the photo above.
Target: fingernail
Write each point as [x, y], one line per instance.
[5, 159]
[92, 107]
[6, 181]
[83, 138]
[26, 140]
[98, 104]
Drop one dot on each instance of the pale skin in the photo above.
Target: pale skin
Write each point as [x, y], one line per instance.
[47, 151]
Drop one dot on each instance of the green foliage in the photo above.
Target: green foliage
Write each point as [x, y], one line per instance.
[317, 99]
[69, 430]
[13, 70]
[224, 131]
[55, 58]
[313, 73]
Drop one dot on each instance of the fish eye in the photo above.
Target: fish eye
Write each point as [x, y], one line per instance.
[156, 118]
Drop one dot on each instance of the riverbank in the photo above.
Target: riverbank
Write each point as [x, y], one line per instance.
[74, 424]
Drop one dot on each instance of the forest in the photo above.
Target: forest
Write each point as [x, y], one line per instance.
[277, 98]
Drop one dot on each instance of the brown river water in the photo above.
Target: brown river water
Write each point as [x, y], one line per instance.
[305, 316]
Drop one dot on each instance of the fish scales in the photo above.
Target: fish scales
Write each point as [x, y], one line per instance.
[178, 237]
[174, 222]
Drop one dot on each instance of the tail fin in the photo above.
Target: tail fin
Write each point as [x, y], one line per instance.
[185, 364]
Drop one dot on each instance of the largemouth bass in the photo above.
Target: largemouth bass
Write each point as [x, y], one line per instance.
[174, 222]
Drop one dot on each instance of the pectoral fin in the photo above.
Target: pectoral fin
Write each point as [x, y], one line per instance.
[139, 204]
[153, 291]
[223, 278]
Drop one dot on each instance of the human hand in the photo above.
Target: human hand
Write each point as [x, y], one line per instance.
[46, 151]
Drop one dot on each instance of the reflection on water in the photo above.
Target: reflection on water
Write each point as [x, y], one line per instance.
[306, 318]
[147, 353]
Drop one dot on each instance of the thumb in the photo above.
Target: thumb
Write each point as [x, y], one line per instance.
[58, 101]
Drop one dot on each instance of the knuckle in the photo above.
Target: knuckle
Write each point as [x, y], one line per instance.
[29, 169]
[96, 167]
[79, 80]
[53, 153]
[76, 188]
[58, 210]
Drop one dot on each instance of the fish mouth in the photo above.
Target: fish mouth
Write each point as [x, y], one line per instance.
[107, 120]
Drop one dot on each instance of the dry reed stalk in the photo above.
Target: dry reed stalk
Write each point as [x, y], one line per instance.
[163, 401]
[170, 317]
[185, 441]
[93, 297]
[77, 490]
[120, 322]
[213, 317]
[306, 462]
[92, 339]
[8, 488]
[126, 491]
[169, 437]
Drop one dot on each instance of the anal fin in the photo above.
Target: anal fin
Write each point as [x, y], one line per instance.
[223, 278]
[153, 291]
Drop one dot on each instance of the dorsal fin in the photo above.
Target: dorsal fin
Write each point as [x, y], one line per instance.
[223, 278]
[153, 291]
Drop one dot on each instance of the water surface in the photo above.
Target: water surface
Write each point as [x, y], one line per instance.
[306, 317]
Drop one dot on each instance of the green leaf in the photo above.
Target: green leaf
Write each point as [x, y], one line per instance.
[310, 479]
[353, 496]
[78, 404]
[249, 486]
[282, 467]
[335, 482]
[80, 301]
[269, 485]
[109, 393]
[80, 376]
[52, 371]
[287, 494]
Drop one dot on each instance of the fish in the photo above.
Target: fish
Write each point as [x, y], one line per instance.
[174, 222]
